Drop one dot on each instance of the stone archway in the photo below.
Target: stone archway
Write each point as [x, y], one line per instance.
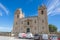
[28, 30]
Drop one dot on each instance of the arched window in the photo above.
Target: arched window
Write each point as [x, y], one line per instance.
[35, 21]
[17, 16]
[28, 29]
[42, 12]
[27, 23]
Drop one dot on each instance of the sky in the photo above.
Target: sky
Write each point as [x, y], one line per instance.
[29, 8]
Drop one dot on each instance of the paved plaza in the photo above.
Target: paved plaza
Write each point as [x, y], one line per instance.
[11, 38]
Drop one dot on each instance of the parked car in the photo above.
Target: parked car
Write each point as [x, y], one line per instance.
[22, 35]
[29, 35]
[36, 36]
[59, 37]
[44, 36]
[53, 37]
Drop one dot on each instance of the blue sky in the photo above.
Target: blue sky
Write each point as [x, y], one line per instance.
[29, 7]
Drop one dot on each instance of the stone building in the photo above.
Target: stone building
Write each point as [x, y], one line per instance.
[34, 24]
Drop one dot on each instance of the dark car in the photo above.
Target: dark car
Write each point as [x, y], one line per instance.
[59, 37]
[36, 36]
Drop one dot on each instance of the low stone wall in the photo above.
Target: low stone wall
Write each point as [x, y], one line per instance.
[5, 33]
[57, 33]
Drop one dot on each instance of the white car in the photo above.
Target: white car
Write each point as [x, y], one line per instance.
[44, 36]
[29, 35]
[22, 35]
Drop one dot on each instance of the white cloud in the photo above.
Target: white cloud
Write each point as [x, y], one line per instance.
[57, 10]
[52, 8]
[4, 8]
[53, 5]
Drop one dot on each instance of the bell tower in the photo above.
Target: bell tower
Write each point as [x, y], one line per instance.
[18, 15]
[42, 19]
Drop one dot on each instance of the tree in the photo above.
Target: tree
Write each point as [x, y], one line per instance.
[52, 28]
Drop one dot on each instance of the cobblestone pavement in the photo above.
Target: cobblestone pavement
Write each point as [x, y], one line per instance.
[11, 38]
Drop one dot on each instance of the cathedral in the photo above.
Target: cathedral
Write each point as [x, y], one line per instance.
[34, 24]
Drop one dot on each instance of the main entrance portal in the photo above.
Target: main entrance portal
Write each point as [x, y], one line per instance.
[28, 30]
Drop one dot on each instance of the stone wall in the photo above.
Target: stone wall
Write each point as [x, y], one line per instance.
[5, 33]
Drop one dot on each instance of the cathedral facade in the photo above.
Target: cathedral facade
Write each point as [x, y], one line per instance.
[34, 24]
